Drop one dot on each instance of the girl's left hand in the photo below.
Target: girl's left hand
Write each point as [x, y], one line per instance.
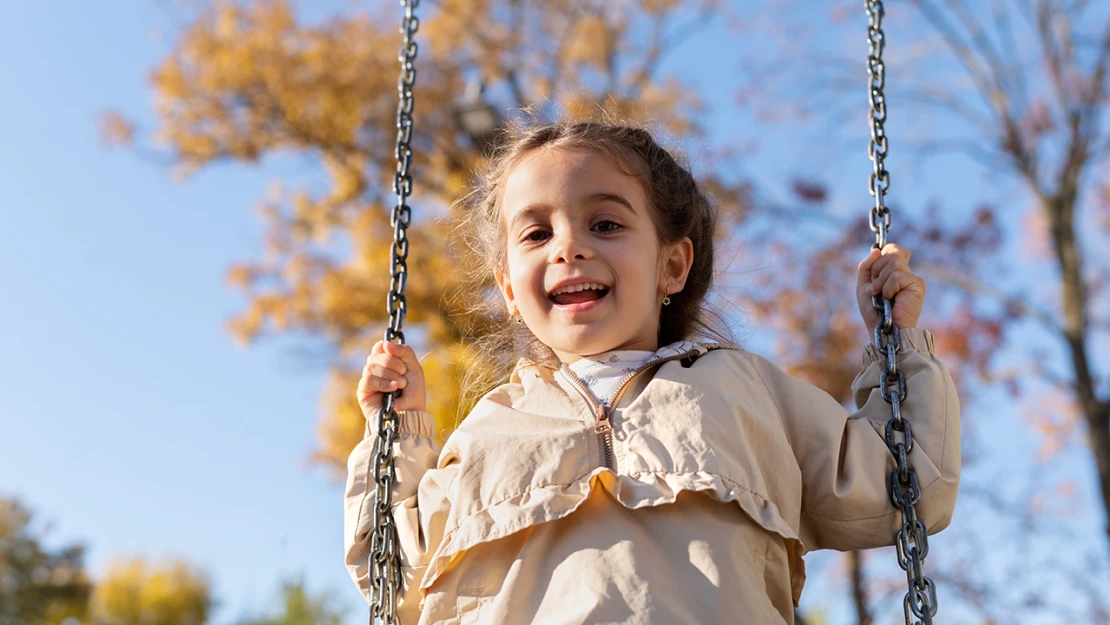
[890, 272]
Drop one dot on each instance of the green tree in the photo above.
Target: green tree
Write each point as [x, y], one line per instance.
[38, 586]
[298, 607]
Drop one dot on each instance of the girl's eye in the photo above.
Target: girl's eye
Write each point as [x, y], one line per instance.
[607, 226]
[536, 236]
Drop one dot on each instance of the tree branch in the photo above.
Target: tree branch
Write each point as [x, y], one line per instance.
[1021, 305]
[973, 149]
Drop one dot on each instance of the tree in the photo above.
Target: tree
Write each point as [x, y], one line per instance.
[1034, 115]
[37, 585]
[135, 592]
[298, 607]
[1018, 88]
[247, 81]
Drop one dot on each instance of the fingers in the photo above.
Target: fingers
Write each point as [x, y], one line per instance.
[385, 379]
[896, 282]
[877, 269]
[886, 273]
[404, 353]
[876, 260]
[384, 371]
[391, 368]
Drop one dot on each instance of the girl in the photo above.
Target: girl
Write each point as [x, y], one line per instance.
[626, 472]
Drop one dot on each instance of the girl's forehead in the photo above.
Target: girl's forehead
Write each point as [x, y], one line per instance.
[566, 158]
[562, 172]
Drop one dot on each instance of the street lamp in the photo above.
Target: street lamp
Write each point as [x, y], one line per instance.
[478, 118]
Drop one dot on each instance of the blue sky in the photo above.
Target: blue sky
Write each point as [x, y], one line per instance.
[129, 419]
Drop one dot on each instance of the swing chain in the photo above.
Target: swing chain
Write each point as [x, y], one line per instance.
[385, 561]
[879, 183]
[912, 541]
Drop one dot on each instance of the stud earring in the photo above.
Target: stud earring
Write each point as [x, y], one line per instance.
[666, 299]
[519, 319]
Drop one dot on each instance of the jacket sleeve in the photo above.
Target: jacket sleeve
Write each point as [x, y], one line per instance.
[420, 506]
[844, 461]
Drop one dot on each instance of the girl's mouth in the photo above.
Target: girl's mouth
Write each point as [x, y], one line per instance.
[580, 300]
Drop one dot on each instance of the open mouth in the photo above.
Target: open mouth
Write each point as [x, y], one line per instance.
[579, 294]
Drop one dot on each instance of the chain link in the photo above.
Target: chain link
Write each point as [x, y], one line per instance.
[912, 541]
[879, 184]
[385, 561]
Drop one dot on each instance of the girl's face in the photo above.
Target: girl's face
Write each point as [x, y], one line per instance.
[585, 269]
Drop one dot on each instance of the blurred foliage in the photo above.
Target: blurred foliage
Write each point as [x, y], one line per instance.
[38, 585]
[298, 607]
[136, 592]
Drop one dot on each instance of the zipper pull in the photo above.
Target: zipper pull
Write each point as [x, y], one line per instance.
[602, 414]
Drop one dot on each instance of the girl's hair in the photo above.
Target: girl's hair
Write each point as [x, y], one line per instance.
[678, 207]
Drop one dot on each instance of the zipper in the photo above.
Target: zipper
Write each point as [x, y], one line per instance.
[603, 409]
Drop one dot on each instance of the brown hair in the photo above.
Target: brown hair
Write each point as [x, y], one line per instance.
[679, 209]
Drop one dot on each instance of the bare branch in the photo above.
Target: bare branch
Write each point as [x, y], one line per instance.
[946, 100]
[1020, 90]
[1046, 30]
[1019, 304]
[662, 43]
[982, 44]
[1098, 76]
[1025, 155]
[967, 57]
[970, 147]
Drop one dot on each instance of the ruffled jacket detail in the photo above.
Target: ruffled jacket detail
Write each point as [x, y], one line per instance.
[722, 421]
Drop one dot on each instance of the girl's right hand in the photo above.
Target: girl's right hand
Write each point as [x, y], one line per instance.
[390, 367]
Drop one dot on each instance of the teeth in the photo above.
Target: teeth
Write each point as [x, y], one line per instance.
[580, 287]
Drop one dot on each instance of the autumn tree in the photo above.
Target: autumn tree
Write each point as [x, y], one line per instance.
[244, 81]
[137, 592]
[38, 585]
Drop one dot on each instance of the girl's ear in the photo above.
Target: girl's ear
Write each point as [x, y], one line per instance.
[677, 259]
[506, 288]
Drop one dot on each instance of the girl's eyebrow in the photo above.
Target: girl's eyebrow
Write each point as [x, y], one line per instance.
[611, 197]
[524, 213]
[593, 198]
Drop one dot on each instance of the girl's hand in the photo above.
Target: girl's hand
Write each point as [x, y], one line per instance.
[890, 273]
[391, 367]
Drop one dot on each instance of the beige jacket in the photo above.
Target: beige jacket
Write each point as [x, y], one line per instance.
[544, 507]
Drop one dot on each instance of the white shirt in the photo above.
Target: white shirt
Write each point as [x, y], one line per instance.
[604, 372]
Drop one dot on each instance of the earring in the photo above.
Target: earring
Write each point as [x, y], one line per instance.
[666, 299]
[519, 319]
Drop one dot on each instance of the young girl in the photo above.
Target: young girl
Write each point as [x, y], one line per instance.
[626, 472]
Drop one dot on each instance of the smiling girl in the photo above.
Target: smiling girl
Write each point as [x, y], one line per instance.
[630, 471]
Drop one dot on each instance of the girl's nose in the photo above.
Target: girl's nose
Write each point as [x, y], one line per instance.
[569, 246]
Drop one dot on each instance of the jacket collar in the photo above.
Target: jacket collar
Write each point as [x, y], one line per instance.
[527, 367]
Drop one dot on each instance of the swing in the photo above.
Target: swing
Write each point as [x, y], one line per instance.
[911, 542]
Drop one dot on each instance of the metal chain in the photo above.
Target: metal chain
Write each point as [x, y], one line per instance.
[912, 541]
[385, 561]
